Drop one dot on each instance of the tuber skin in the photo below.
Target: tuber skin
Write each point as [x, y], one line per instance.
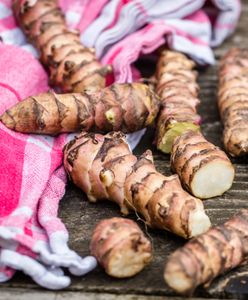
[73, 67]
[104, 168]
[178, 90]
[233, 100]
[120, 247]
[209, 255]
[204, 170]
[126, 107]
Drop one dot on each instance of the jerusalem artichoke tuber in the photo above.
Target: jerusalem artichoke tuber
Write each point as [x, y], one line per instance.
[177, 88]
[204, 170]
[73, 67]
[205, 257]
[104, 168]
[126, 107]
[233, 100]
[120, 247]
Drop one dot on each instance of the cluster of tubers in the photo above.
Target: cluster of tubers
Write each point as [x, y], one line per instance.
[204, 170]
[104, 167]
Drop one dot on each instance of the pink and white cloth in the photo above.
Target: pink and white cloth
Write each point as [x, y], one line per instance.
[32, 182]
[122, 30]
[126, 29]
[32, 238]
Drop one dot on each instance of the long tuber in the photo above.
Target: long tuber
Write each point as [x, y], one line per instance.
[204, 170]
[205, 257]
[104, 168]
[126, 107]
[233, 100]
[72, 66]
[120, 247]
[178, 90]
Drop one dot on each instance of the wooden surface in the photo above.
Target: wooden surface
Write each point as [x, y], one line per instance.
[80, 217]
[22, 294]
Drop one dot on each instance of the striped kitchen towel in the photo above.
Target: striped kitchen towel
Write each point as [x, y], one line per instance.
[126, 29]
[32, 182]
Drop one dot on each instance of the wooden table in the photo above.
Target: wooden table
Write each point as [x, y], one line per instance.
[80, 217]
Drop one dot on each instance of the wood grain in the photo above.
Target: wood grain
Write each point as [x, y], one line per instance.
[22, 294]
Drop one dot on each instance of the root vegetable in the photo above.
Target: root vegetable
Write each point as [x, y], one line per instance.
[104, 168]
[204, 170]
[120, 247]
[126, 107]
[207, 256]
[177, 88]
[72, 66]
[233, 100]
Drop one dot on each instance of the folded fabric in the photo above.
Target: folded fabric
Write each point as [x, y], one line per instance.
[157, 33]
[190, 26]
[81, 13]
[32, 238]
[120, 18]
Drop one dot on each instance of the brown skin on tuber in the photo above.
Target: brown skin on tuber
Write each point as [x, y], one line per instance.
[209, 255]
[73, 67]
[204, 170]
[233, 100]
[126, 107]
[178, 90]
[104, 168]
[120, 247]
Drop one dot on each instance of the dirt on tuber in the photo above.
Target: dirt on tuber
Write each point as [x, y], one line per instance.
[73, 67]
[105, 168]
[120, 247]
[209, 255]
[126, 107]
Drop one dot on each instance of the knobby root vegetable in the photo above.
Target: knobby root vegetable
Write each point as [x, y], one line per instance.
[204, 170]
[120, 247]
[126, 107]
[178, 90]
[205, 257]
[233, 100]
[72, 66]
[104, 168]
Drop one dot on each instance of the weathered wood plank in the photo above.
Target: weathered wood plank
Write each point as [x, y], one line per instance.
[23, 294]
[80, 216]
